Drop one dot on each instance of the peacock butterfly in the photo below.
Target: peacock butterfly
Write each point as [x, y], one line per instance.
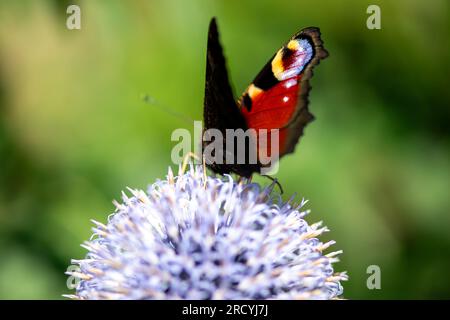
[276, 102]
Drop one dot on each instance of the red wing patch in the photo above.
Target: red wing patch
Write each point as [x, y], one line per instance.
[274, 108]
[278, 97]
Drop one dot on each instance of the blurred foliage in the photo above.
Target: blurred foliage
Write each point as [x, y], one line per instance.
[74, 130]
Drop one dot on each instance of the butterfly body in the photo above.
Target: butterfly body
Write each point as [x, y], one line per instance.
[276, 99]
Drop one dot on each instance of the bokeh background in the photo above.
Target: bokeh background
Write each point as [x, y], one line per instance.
[74, 130]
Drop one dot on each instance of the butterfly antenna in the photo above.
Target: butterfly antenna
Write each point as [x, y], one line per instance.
[165, 108]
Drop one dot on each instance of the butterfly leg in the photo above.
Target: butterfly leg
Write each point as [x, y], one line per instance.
[245, 180]
[275, 181]
[186, 160]
[205, 178]
[242, 180]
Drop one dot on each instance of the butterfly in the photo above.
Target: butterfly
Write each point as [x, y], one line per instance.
[276, 99]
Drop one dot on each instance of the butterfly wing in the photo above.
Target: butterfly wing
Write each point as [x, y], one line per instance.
[220, 108]
[278, 96]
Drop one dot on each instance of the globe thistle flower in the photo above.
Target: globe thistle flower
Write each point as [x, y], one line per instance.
[194, 236]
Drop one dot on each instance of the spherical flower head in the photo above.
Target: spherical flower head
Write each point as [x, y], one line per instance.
[194, 236]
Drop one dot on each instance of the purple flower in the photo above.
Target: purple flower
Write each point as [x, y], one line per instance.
[193, 236]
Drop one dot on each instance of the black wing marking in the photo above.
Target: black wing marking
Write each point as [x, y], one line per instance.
[220, 107]
[302, 116]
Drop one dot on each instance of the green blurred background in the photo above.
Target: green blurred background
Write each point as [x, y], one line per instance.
[74, 130]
